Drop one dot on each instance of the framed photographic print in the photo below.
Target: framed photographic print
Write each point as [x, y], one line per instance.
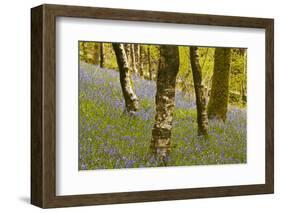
[136, 106]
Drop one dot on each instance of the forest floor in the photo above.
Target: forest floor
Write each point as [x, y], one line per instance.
[109, 139]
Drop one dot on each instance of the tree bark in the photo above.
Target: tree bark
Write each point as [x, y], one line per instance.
[101, 55]
[96, 53]
[218, 103]
[133, 58]
[149, 63]
[165, 101]
[131, 100]
[202, 118]
[243, 83]
[137, 56]
[128, 53]
[141, 59]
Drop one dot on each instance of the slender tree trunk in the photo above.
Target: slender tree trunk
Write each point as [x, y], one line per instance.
[165, 101]
[137, 56]
[141, 59]
[128, 53]
[133, 58]
[101, 55]
[243, 83]
[202, 118]
[131, 100]
[157, 61]
[149, 63]
[218, 103]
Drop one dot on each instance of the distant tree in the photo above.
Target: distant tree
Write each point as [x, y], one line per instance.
[218, 103]
[202, 118]
[133, 58]
[165, 101]
[243, 82]
[102, 55]
[149, 63]
[137, 55]
[141, 60]
[96, 52]
[131, 100]
[243, 53]
[156, 59]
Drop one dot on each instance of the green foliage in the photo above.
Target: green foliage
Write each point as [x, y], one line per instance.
[110, 59]
[184, 60]
[151, 60]
[238, 76]
[184, 113]
[145, 104]
[89, 52]
[207, 64]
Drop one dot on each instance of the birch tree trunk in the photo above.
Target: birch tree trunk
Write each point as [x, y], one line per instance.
[133, 58]
[218, 103]
[165, 101]
[131, 100]
[137, 56]
[202, 118]
[128, 53]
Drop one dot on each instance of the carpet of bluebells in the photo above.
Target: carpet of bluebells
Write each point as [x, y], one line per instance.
[110, 139]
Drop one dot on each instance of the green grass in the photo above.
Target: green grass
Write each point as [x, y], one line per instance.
[110, 139]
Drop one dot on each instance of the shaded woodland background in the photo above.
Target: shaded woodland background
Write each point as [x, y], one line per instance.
[196, 122]
[145, 60]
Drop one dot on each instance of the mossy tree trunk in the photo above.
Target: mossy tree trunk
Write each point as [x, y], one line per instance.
[202, 118]
[218, 103]
[244, 73]
[131, 100]
[165, 101]
[101, 55]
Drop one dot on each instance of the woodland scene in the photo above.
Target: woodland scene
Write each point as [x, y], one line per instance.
[148, 105]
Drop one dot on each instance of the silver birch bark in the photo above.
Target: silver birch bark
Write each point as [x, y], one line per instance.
[131, 100]
[202, 117]
[165, 102]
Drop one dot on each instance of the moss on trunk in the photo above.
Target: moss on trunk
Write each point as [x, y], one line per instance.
[218, 103]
